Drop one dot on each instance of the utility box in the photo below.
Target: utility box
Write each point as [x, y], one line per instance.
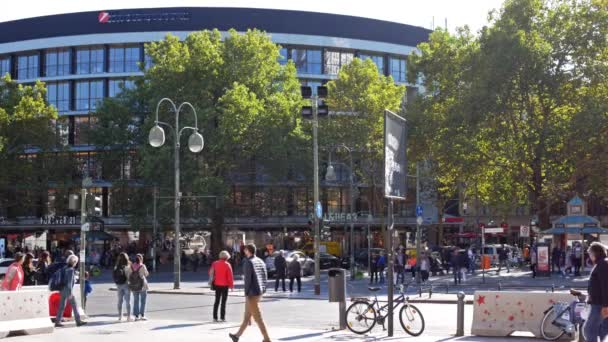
[337, 285]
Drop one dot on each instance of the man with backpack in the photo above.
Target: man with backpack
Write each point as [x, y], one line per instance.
[63, 281]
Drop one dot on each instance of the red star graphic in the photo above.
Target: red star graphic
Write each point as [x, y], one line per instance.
[511, 318]
[481, 300]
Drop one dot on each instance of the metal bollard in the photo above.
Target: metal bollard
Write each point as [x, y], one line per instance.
[447, 287]
[552, 288]
[431, 291]
[499, 286]
[460, 315]
[419, 291]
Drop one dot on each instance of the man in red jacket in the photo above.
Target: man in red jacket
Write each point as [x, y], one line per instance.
[222, 279]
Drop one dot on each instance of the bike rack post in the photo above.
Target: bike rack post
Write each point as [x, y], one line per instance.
[419, 290]
[460, 314]
[499, 286]
[431, 291]
[552, 288]
[447, 287]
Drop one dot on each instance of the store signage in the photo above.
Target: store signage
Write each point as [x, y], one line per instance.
[52, 219]
[395, 160]
[108, 17]
[524, 231]
[337, 217]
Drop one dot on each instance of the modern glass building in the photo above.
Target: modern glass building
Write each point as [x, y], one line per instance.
[85, 57]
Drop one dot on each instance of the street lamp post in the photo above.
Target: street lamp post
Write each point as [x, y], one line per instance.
[331, 176]
[196, 143]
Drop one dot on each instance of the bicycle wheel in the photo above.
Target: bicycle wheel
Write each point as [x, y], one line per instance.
[549, 331]
[360, 317]
[411, 320]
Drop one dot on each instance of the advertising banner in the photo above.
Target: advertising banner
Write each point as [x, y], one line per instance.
[543, 259]
[395, 156]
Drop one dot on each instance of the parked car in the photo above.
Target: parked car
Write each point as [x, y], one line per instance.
[307, 264]
[361, 256]
[327, 260]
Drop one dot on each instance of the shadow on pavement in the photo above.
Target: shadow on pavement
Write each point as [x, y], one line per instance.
[304, 336]
[178, 326]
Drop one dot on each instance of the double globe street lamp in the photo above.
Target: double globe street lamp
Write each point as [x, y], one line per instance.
[156, 138]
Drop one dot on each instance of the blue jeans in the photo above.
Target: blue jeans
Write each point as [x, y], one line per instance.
[139, 303]
[594, 329]
[124, 294]
[66, 295]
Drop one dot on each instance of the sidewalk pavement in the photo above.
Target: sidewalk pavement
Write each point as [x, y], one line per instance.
[101, 329]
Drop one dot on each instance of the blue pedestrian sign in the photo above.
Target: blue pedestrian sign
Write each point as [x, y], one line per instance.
[419, 210]
[319, 210]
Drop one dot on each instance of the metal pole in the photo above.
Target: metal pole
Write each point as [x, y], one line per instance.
[353, 269]
[154, 231]
[391, 284]
[177, 249]
[83, 245]
[369, 251]
[483, 236]
[418, 235]
[460, 315]
[315, 148]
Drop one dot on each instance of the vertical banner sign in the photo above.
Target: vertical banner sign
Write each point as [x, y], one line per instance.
[395, 157]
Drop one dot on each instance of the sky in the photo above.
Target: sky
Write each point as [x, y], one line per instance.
[414, 12]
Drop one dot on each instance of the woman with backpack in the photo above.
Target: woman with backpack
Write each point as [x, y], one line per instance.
[120, 274]
[138, 284]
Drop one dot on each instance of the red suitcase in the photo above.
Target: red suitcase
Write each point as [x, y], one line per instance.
[54, 300]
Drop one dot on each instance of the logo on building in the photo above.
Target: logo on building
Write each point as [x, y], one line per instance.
[132, 17]
[103, 17]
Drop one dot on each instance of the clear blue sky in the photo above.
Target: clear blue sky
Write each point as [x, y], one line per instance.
[415, 12]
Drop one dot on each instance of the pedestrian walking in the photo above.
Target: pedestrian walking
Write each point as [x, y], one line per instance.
[471, 260]
[425, 266]
[295, 272]
[555, 259]
[13, 280]
[138, 285]
[598, 295]
[373, 267]
[399, 266]
[67, 291]
[120, 275]
[577, 258]
[29, 271]
[458, 262]
[43, 268]
[533, 260]
[381, 264]
[280, 273]
[568, 261]
[223, 279]
[255, 276]
[503, 259]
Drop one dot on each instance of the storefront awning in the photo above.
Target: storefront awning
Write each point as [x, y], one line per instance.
[574, 230]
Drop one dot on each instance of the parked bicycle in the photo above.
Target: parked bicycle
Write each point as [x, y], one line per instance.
[363, 314]
[565, 318]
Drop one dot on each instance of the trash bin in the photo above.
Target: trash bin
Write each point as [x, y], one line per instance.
[337, 285]
[486, 262]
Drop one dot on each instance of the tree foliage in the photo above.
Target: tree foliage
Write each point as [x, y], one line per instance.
[504, 106]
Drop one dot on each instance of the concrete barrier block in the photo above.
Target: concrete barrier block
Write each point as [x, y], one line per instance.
[26, 311]
[505, 312]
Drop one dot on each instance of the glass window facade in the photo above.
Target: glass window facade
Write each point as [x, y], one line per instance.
[88, 94]
[57, 62]
[334, 60]
[148, 62]
[284, 56]
[398, 69]
[124, 59]
[58, 94]
[116, 86]
[27, 66]
[80, 130]
[5, 65]
[378, 60]
[307, 61]
[89, 60]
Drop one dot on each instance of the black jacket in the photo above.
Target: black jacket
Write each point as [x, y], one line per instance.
[280, 266]
[255, 276]
[598, 284]
[295, 269]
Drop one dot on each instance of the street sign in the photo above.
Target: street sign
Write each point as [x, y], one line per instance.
[524, 231]
[496, 230]
[419, 220]
[82, 259]
[85, 227]
[419, 210]
[319, 210]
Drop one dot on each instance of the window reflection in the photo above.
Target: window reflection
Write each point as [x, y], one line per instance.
[398, 70]
[57, 62]
[334, 60]
[377, 59]
[89, 60]
[58, 95]
[27, 66]
[307, 61]
[88, 94]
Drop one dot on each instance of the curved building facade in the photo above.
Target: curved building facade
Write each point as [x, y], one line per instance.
[85, 57]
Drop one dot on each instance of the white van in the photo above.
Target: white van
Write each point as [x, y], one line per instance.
[494, 250]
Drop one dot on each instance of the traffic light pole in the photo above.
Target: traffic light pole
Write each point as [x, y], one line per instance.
[315, 148]
[83, 245]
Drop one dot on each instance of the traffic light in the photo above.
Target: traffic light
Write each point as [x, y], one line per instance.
[93, 205]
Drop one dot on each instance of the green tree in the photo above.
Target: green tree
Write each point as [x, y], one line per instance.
[503, 102]
[359, 97]
[248, 108]
[25, 123]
